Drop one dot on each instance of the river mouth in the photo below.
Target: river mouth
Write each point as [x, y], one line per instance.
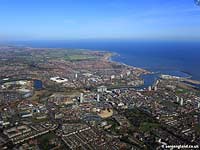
[156, 72]
[150, 79]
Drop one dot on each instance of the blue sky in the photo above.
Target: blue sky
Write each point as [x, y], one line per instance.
[99, 19]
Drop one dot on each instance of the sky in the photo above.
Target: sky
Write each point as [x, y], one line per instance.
[99, 19]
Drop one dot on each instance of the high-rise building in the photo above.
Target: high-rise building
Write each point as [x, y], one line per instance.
[81, 98]
[155, 88]
[76, 75]
[181, 102]
[149, 88]
[98, 97]
[198, 105]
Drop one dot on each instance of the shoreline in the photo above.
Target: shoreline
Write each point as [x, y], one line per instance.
[109, 55]
[183, 79]
[113, 54]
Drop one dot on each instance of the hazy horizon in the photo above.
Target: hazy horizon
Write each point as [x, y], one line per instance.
[84, 20]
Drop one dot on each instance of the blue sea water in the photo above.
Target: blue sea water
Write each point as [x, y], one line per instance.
[181, 58]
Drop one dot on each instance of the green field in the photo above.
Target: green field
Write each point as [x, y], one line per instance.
[147, 126]
[181, 91]
[77, 57]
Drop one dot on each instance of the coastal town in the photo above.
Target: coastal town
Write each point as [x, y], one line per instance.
[80, 99]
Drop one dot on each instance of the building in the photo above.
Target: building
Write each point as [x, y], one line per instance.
[81, 98]
[149, 88]
[181, 102]
[102, 89]
[198, 105]
[98, 97]
[155, 88]
[76, 75]
[59, 79]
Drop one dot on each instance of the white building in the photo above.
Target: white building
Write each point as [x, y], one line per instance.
[149, 88]
[181, 102]
[81, 98]
[98, 97]
[102, 89]
[59, 79]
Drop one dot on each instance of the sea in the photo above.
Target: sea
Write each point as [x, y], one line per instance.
[179, 58]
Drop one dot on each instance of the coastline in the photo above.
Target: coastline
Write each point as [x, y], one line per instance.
[145, 54]
[114, 54]
[146, 84]
[110, 55]
[157, 74]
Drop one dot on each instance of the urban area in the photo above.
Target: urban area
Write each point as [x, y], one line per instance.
[57, 99]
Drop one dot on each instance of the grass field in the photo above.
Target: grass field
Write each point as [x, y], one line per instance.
[181, 91]
[77, 57]
[147, 126]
